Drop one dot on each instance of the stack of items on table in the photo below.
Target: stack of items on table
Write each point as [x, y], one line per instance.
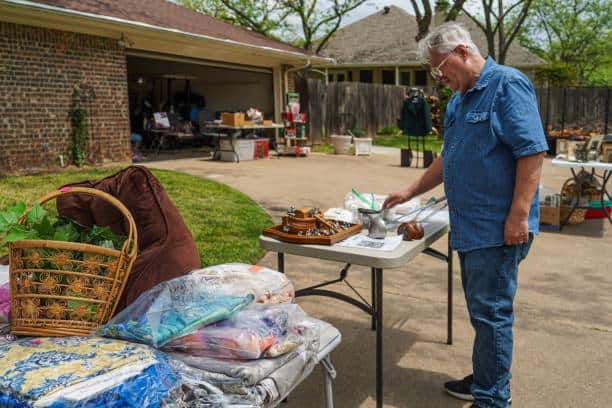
[227, 335]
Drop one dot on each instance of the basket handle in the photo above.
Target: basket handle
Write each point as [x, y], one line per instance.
[132, 237]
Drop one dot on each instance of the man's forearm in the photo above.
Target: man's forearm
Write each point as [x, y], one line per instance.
[430, 179]
[528, 173]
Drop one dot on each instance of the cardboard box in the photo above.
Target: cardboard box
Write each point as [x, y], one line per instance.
[232, 118]
[550, 215]
[267, 122]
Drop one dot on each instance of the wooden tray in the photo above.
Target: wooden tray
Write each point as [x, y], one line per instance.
[277, 232]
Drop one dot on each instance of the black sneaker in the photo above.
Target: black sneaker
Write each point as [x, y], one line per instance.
[460, 389]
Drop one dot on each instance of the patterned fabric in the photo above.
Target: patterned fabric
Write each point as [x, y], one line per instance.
[46, 368]
[255, 332]
[167, 319]
[486, 130]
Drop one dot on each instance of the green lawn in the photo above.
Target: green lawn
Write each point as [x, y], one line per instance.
[224, 222]
[401, 141]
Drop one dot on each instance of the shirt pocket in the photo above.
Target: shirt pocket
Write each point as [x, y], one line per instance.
[477, 125]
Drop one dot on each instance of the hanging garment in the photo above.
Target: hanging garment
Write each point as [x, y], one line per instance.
[415, 119]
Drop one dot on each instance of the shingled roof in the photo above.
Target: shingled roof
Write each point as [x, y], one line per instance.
[162, 13]
[388, 38]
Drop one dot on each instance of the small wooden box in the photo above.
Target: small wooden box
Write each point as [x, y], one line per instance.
[606, 153]
[232, 118]
[550, 215]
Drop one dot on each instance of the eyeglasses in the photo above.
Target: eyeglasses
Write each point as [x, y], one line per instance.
[435, 72]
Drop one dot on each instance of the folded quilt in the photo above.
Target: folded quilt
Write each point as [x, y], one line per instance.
[82, 372]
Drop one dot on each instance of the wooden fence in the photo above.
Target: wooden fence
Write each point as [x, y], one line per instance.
[373, 106]
[586, 107]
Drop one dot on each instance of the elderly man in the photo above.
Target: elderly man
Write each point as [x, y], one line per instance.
[490, 165]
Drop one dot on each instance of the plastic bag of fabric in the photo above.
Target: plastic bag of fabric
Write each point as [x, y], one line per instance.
[258, 383]
[258, 331]
[72, 372]
[267, 285]
[173, 309]
[195, 391]
[249, 372]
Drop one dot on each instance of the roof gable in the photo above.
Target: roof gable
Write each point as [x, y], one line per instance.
[388, 38]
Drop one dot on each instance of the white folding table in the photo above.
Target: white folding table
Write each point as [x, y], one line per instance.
[378, 261]
[605, 168]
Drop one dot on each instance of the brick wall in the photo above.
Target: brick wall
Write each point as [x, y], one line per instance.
[39, 69]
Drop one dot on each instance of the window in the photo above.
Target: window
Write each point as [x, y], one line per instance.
[340, 77]
[405, 78]
[350, 76]
[388, 77]
[420, 78]
[365, 75]
[330, 77]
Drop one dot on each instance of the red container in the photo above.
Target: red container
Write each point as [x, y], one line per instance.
[597, 213]
[262, 149]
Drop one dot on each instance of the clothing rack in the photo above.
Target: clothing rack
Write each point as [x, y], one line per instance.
[413, 93]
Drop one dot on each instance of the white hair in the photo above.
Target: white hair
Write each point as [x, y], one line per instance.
[444, 39]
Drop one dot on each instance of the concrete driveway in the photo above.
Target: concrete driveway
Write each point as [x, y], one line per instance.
[563, 330]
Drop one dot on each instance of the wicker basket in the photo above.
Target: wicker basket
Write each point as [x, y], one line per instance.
[577, 216]
[571, 194]
[64, 288]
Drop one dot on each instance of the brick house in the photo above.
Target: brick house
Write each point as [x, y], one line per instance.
[106, 48]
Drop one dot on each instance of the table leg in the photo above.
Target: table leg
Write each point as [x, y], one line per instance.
[449, 316]
[604, 193]
[379, 337]
[281, 262]
[373, 301]
[564, 222]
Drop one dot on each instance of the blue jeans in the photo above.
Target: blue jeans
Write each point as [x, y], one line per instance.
[489, 278]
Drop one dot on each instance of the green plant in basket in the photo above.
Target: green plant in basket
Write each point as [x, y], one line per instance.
[38, 224]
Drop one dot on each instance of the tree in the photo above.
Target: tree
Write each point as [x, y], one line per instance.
[267, 17]
[317, 21]
[501, 23]
[574, 36]
[423, 13]
[306, 23]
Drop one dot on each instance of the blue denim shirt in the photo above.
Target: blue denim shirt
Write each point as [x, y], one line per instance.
[487, 129]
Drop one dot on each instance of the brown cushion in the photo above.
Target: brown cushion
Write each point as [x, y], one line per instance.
[166, 247]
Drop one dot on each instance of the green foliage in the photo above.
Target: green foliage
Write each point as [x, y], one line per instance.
[305, 23]
[574, 36]
[401, 141]
[357, 132]
[323, 148]
[389, 130]
[262, 16]
[78, 120]
[37, 225]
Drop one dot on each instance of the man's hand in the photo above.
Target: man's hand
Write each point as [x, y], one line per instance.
[396, 198]
[516, 229]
